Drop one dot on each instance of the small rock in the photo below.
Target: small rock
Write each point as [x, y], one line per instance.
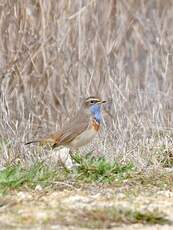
[24, 196]
[165, 193]
[38, 188]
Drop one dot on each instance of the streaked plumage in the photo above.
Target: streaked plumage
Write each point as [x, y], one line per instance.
[80, 129]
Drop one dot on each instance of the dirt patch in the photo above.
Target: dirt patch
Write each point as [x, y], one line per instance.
[90, 207]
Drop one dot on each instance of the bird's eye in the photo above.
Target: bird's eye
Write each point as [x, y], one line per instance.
[92, 102]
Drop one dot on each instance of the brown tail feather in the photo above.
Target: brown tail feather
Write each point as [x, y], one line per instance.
[30, 142]
[44, 141]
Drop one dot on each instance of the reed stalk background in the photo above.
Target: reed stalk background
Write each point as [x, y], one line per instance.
[55, 53]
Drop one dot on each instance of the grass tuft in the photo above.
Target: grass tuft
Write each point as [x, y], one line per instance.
[14, 177]
[89, 169]
[92, 169]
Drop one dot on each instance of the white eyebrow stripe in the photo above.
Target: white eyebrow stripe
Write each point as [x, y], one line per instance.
[92, 99]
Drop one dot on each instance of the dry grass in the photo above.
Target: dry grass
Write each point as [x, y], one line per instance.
[53, 53]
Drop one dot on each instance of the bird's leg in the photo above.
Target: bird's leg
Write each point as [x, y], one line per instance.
[71, 153]
[73, 157]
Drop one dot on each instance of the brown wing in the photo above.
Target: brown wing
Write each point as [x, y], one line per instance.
[72, 129]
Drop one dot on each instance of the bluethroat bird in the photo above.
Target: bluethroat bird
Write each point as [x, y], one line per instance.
[80, 129]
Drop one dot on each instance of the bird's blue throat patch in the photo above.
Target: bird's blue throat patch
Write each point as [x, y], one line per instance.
[96, 112]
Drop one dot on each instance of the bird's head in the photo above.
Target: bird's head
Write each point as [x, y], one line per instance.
[93, 106]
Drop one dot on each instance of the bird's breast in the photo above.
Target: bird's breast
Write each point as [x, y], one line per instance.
[86, 136]
[95, 125]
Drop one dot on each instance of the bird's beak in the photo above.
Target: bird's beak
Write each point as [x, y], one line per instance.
[101, 102]
[108, 101]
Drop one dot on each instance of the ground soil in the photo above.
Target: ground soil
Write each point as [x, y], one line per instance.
[63, 205]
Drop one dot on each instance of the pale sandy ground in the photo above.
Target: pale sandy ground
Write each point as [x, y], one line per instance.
[39, 209]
